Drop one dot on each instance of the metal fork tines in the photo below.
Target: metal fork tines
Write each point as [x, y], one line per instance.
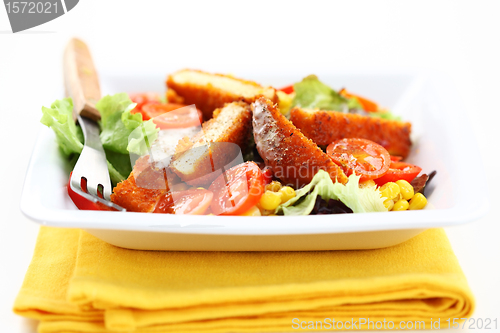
[90, 177]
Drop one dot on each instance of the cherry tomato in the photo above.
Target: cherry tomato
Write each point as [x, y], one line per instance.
[396, 158]
[170, 115]
[83, 203]
[363, 157]
[267, 172]
[141, 99]
[288, 89]
[237, 190]
[189, 202]
[397, 171]
[367, 104]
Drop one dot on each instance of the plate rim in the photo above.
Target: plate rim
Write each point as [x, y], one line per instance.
[458, 214]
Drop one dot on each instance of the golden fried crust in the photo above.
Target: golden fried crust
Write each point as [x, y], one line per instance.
[325, 127]
[172, 97]
[211, 91]
[294, 158]
[233, 124]
[143, 188]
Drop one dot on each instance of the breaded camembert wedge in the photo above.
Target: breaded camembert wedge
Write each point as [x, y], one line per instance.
[143, 188]
[294, 158]
[221, 142]
[211, 91]
[325, 127]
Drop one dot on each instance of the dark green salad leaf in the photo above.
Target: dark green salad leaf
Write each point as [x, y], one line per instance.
[119, 165]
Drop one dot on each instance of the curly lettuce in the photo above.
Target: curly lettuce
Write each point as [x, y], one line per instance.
[117, 124]
[360, 200]
[59, 117]
[311, 93]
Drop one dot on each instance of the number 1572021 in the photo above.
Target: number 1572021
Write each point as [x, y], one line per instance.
[22, 7]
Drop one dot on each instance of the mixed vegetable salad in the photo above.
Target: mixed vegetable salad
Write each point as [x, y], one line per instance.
[376, 180]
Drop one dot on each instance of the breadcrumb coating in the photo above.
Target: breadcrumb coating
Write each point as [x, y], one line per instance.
[211, 91]
[293, 157]
[324, 127]
[143, 188]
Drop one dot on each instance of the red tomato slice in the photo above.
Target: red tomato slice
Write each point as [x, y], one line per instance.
[83, 203]
[267, 172]
[396, 158]
[237, 190]
[141, 99]
[397, 171]
[288, 89]
[363, 157]
[189, 202]
[170, 115]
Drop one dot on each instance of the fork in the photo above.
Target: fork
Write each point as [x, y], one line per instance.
[90, 177]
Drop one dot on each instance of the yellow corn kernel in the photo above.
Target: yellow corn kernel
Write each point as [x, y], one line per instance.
[405, 188]
[273, 186]
[270, 200]
[367, 183]
[400, 205]
[263, 212]
[389, 204]
[285, 101]
[254, 211]
[286, 193]
[389, 190]
[417, 202]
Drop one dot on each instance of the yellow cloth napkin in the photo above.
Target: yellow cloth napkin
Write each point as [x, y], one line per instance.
[78, 283]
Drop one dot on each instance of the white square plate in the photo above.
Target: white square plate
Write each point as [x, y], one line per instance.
[440, 134]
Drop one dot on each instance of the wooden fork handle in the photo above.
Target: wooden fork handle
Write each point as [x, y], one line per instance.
[80, 79]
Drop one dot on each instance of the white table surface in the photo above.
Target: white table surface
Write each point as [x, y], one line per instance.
[458, 38]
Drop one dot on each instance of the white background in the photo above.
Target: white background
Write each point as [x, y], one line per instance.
[457, 38]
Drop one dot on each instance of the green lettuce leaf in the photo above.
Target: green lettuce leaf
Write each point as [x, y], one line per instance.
[360, 200]
[59, 117]
[311, 93]
[384, 115]
[114, 175]
[117, 124]
[353, 103]
[119, 165]
[114, 133]
[142, 137]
